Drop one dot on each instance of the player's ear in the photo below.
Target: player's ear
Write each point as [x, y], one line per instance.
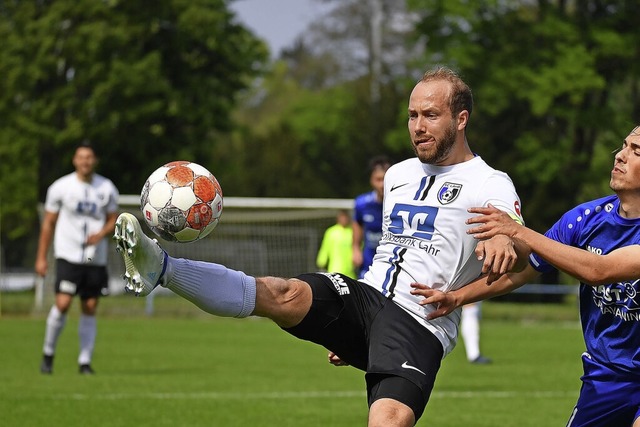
[463, 119]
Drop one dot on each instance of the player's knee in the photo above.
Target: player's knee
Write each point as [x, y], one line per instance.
[394, 398]
[63, 306]
[388, 412]
[286, 301]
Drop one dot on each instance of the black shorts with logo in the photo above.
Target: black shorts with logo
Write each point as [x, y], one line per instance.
[372, 333]
[86, 281]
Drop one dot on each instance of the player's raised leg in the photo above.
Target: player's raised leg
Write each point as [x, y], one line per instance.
[212, 287]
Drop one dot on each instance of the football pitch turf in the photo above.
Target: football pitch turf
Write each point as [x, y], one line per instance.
[183, 368]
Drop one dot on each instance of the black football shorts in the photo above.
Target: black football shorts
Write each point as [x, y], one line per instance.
[370, 332]
[86, 281]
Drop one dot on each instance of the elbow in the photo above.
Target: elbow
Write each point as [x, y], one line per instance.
[594, 275]
[520, 265]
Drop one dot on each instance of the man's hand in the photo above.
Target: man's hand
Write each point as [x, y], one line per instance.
[444, 302]
[499, 248]
[335, 360]
[357, 258]
[41, 267]
[498, 255]
[94, 239]
[492, 222]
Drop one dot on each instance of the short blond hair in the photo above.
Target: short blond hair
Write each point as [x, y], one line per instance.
[461, 97]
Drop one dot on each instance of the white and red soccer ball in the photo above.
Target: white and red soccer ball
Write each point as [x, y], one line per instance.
[181, 201]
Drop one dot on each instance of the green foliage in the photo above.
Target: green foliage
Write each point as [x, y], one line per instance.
[146, 84]
[551, 83]
[298, 142]
[556, 85]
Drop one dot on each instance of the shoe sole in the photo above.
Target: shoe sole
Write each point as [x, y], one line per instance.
[126, 241]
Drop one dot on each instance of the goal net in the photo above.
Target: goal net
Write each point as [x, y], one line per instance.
[259, 236]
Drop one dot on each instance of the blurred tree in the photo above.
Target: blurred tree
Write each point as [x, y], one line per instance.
[556, 90]
[367, 39]
[146, 84]
[297, 142]
[326, 106]
[555, 84]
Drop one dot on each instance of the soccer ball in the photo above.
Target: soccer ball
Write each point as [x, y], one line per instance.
[181, 201]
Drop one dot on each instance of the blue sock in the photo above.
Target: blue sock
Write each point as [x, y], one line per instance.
[214, 288]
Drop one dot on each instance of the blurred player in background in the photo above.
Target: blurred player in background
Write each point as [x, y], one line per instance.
[596, 242]
[374, 324]
[79, 212]
[335, 253]
[470, 331]
[367, 216]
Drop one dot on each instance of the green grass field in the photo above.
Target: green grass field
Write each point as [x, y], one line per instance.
[185, 368]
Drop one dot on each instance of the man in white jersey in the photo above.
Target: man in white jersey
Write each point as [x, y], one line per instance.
[377, 324]
[81, 209]
[597, 242]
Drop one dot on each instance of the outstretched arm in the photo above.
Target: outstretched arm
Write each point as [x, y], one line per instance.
[621, 264]
[478, 290]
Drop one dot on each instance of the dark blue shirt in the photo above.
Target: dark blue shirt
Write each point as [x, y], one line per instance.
[368, 213]
[610, 314]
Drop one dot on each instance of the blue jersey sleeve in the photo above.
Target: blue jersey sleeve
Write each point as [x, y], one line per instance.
[563, 231]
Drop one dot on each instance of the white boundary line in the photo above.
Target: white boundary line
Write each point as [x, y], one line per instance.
[286, 395]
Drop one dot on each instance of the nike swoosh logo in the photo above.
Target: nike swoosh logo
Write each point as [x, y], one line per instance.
[405, 365]
[395, 187]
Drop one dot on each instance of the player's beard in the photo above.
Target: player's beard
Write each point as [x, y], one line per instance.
[616, 185]
[617, 182]
[442, 149]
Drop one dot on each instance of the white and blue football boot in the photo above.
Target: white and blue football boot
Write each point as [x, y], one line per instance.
[145, 261]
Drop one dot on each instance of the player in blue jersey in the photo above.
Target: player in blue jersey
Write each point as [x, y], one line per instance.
[367, 216]
[373, 324]
[596, 242]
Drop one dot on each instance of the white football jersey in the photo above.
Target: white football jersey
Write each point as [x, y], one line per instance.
[424, 237]
[82, 209]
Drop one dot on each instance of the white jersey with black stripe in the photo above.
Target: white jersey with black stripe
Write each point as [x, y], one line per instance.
[424, 237]
[82, 209]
